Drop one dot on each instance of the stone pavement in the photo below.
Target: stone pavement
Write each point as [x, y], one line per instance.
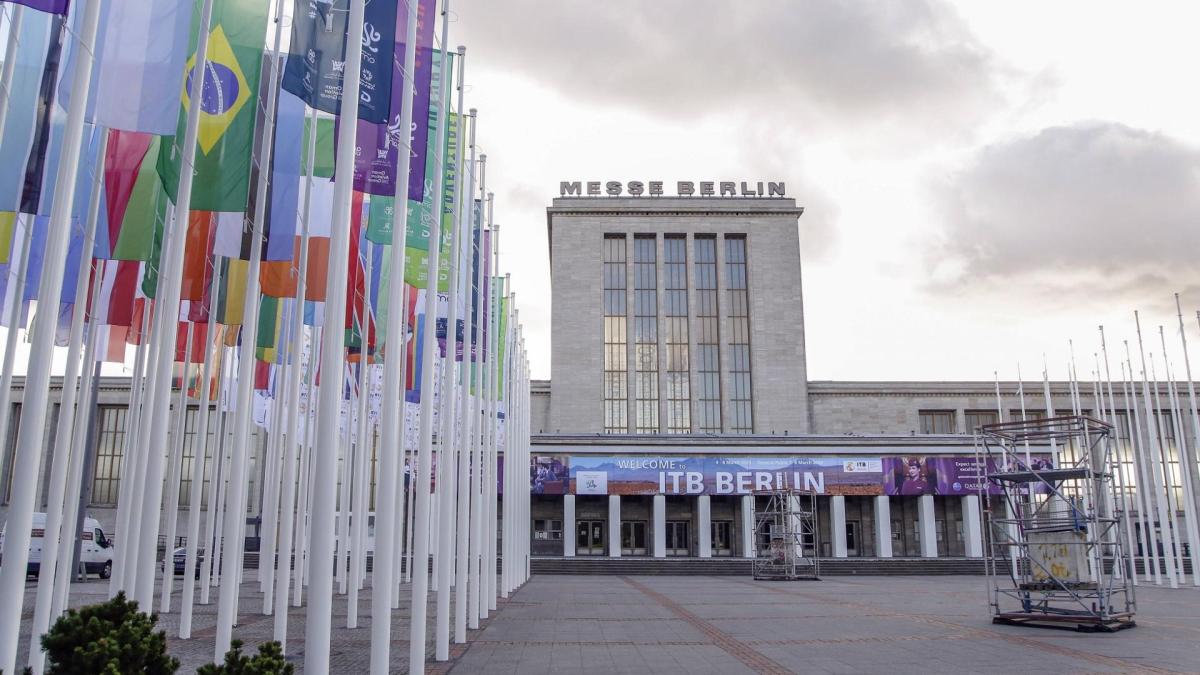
[699, 624]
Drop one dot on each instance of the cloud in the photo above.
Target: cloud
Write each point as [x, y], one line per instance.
[1090, 209]
[856, 63]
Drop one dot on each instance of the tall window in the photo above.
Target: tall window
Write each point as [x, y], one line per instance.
[110, 444]
[739, 336]
[679, 395]
[645, 333]
[937, 421]
[616, 370]
[708, 363]
[979, 418]
[191, 447]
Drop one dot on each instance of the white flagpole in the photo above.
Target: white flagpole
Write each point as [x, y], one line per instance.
[421, 473]
[493, 422]
[475, 427]
[199, 455]
[385, 570]
[449, 443]
[466, 230]
[306, 477]
[1164, 465]
[1153, 458]
[68, 424]
[294, 441]
[235, 509]
[1112, 418]
[1024, 417]
[362, 451]
[1181, 445]
[174, 473]
[333, 352]
[216, 481]
[273, 470]
[10, 63]
[137, 382]
[1145, 507]
[28, 455]
[342, 538]
[486, 381]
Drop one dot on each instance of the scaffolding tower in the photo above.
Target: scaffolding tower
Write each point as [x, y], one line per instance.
[787, 536]
[1054, 552]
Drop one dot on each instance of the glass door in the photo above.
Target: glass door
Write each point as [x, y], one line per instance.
[852, 531]
[722, 537]
[633, 537]
[589, 537]
[678, 537]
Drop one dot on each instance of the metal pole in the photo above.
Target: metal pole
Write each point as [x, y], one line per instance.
[174, 473]
[462, 527]
[37, 379]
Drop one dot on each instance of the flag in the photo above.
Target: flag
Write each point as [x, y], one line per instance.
[35, 165]
[140, 64]
[227, 110]
[285, 178]
[8, 223]
[118, 290]
[136, 203]
[197, 252]
[377, 144]
[50, 6]
[271, 317]
[19, 127]
[316, 56]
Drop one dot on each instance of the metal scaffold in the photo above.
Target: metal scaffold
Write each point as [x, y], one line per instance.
[787, 535]
[1054, 542]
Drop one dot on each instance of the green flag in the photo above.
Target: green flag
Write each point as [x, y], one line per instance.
[226, 136]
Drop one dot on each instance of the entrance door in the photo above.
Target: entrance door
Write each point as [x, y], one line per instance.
[678, 537]
[853, 529]
[722, 537]
[589, 537]
[633, 537]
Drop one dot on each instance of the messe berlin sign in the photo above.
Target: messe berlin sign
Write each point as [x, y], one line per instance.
[683, 188]
[740, 475]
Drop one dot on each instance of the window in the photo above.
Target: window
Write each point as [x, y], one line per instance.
[616, 383]
[645, 333]
[708, 364]
[979, 418]
[742, 421]
[679, 396]
[547, 530]
[1029, 415]
[110, 445]
[937, 421]
[190, 447]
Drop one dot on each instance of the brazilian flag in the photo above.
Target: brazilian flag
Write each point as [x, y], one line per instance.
[227, 110]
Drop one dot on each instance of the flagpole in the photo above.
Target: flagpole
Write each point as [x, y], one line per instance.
[448, 441]
[361, 449]
[10, 62]
[1181, 444]
[28, 455]
[476, 414]
[1191, 462]
[493, 419]
[217, 473]
[479, 594]
[1125, 486]
[421, 474]
[333, 350]
[128, 451]
[174, 473]
[198, 463]
[466, 229]
[274, 462]
[305, 479]
[1144, 481]
[1164, 465]
[56, 506]
[1155, 457]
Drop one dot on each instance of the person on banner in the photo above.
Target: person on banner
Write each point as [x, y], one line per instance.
[916, 477]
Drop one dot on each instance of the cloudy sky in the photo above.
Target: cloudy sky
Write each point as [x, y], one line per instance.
[983, 181]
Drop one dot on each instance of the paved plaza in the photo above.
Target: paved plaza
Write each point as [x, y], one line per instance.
[698, 624]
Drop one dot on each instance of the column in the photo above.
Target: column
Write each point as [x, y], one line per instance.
[837, 522]
[972, 532]
[704, 506]
[614, 526]
[748, 526]
[928, 526]
[569, 526]
[660, 526]
[883, 527]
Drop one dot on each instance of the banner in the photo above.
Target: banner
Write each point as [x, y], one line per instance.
[951, 475]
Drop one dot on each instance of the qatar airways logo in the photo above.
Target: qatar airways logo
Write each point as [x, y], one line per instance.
[683, 188]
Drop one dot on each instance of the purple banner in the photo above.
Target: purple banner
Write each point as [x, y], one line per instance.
[957, 475]
[377, 153]
[51, 6]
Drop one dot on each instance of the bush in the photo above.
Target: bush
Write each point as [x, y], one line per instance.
[109, 638]
[268, 661]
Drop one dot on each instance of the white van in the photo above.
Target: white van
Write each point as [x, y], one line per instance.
[96, 552]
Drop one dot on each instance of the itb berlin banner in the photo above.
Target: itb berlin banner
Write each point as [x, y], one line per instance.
[949, 475]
